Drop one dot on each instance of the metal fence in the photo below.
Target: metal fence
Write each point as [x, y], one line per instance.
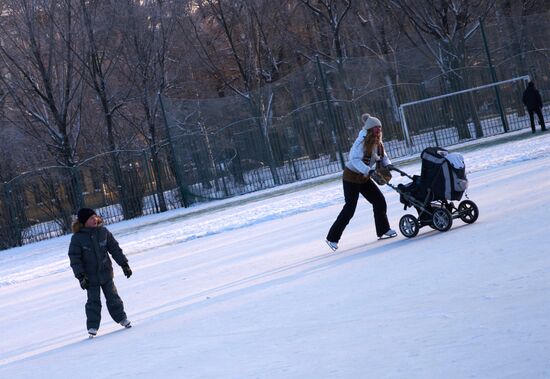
[40, 204]
[297, 128]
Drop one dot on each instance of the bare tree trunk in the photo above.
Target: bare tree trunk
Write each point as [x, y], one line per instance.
[98, 68]
[253, 61]
[38, 50]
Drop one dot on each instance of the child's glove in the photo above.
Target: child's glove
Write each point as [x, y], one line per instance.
[127, 271]
[84, 282]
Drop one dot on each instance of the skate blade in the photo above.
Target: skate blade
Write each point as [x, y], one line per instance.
[331, 248]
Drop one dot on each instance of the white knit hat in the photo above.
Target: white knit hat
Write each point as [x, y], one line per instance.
[369, 122]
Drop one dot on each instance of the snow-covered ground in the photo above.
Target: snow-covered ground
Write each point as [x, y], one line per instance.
[252, 291]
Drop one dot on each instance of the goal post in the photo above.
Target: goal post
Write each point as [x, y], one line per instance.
[463, 115]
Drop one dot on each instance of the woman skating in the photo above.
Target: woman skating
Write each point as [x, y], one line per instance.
[366, 153]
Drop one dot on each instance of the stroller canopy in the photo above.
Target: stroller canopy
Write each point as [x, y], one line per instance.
[443, 173]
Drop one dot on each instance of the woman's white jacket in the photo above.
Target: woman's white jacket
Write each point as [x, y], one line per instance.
[356, 155]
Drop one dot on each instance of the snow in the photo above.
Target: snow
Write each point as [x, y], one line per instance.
[248, 289]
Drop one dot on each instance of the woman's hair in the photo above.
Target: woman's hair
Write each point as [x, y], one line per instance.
[370, 141]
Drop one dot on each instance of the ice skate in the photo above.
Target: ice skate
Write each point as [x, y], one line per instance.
[92, 332]
[389, 234]
[126, 323]
[332, 245]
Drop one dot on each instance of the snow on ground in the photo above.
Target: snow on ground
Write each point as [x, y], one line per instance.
[259, 294]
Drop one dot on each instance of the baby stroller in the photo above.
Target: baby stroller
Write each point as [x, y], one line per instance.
[442, 180]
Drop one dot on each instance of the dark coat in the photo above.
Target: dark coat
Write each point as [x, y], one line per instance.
[89, 253]
[531, 98]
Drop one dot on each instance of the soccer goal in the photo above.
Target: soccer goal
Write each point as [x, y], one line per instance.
[464, 115]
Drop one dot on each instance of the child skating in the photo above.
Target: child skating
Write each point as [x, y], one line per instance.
[89, 251]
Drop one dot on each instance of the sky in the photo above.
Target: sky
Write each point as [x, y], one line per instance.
[247, 288]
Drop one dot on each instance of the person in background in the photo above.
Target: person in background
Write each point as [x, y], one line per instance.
[89, 252]
[366, 153]
[533, 102]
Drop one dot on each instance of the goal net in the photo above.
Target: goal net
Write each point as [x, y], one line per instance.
[464, 115]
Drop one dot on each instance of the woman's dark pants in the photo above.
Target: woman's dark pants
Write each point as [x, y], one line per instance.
[371, 192]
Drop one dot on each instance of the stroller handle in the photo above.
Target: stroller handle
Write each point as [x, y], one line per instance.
[403, 173]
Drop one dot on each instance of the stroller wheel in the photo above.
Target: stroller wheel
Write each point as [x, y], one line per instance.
[442, 219]
[468, 211]
[409, 226]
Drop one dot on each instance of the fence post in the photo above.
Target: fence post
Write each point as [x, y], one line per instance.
[15, 222]
[179, 177]
[331, 113]
[405, 128]
[149, 188]
[493, 76]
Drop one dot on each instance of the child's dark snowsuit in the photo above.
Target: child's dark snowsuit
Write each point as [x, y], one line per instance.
[88, 253]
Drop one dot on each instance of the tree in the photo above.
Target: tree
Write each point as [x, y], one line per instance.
[331, 14]
[100, 62]
[448, 22]
[38, 52]
[374, 32]
[328, 18]
[12, 216]
[247, 58]
[150, 31]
